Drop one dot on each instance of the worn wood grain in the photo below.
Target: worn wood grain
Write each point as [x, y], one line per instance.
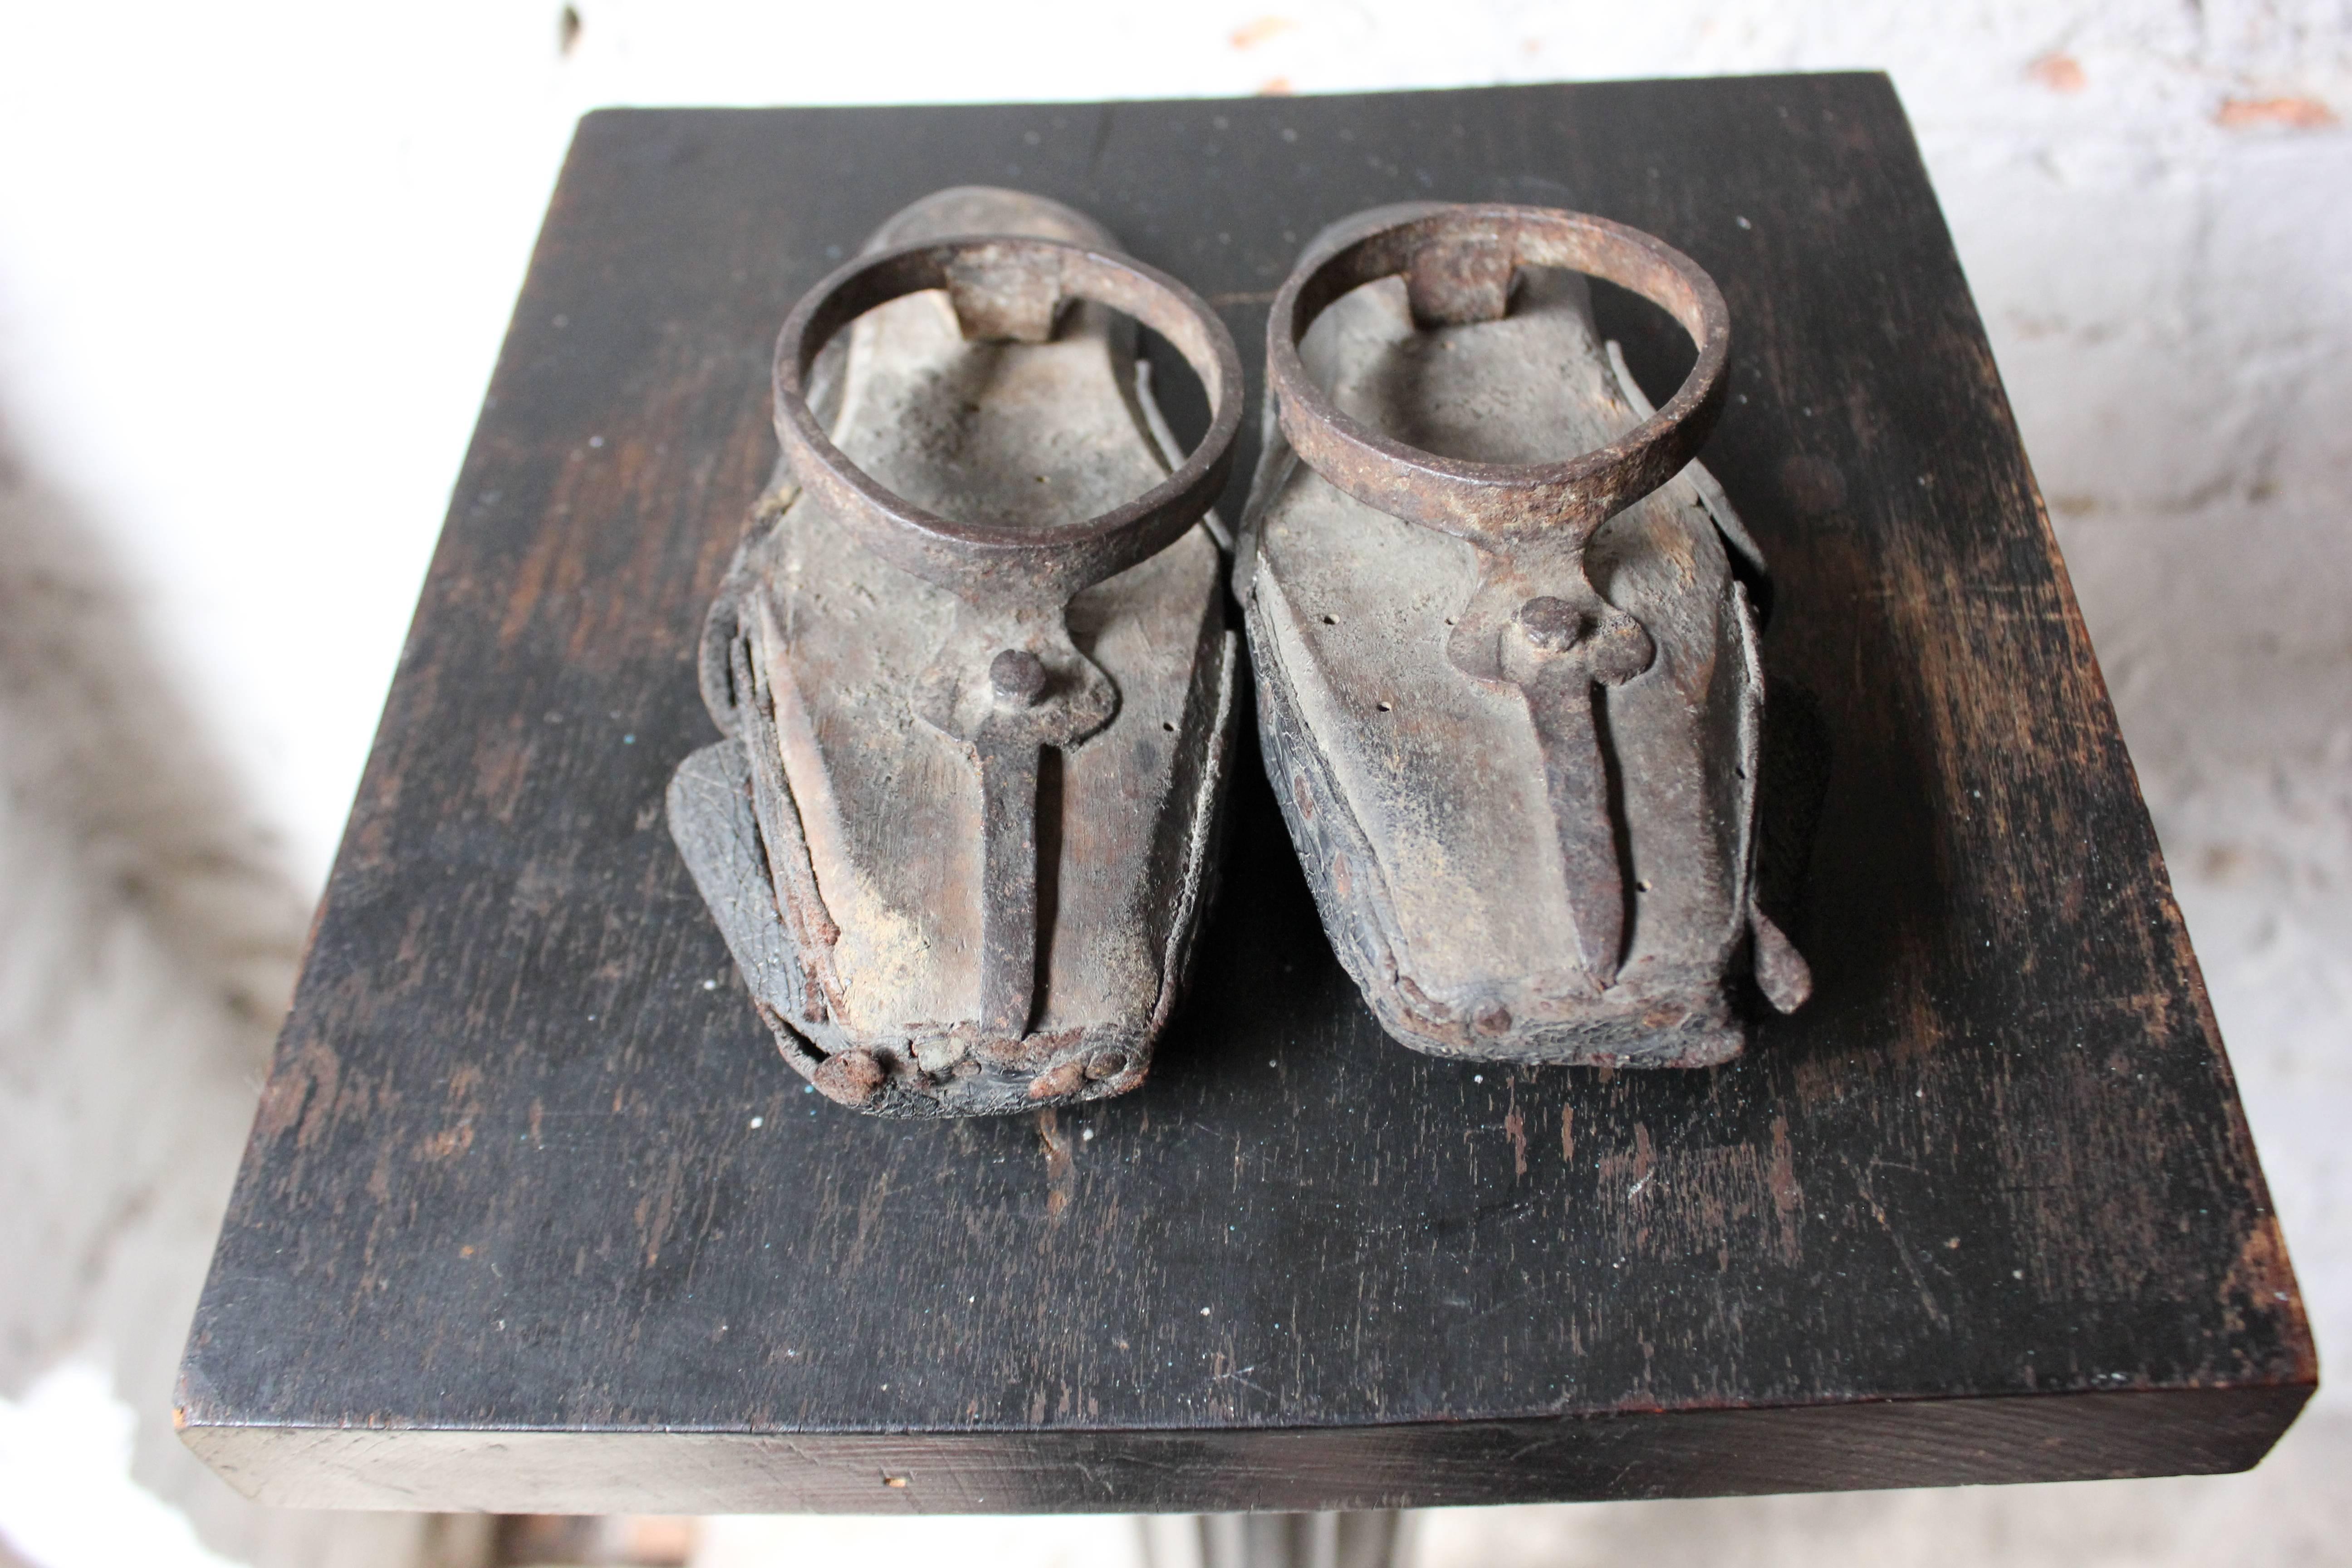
[534, 1218]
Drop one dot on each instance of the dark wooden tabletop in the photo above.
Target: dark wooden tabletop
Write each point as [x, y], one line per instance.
[534, 1219]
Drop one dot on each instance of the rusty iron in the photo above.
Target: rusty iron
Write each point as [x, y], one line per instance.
[1591, 900]
[1007, 289]
[1002, 687]
[1459, 262]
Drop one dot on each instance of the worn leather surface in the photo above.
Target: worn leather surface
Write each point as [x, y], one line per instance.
[887, 804]
[1416, 792]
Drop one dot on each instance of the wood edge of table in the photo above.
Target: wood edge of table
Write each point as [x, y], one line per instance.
[1849, 1447]
[611, 118]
